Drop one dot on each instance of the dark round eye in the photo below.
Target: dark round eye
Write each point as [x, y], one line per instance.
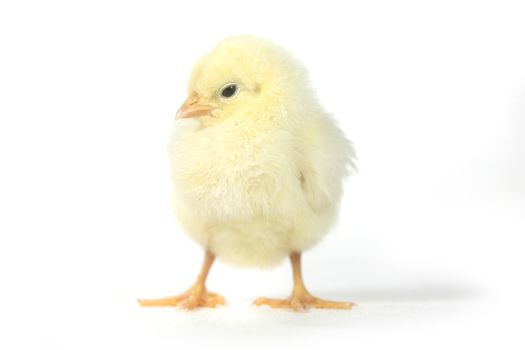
[229, 90]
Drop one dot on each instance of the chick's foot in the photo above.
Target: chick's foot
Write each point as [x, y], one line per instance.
[301, 302]
[191, 299]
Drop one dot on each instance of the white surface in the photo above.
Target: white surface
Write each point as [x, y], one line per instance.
[430, 239]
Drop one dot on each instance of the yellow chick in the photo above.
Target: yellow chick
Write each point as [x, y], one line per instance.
[258, 166]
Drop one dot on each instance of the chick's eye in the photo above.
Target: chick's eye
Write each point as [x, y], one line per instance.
[229, 90]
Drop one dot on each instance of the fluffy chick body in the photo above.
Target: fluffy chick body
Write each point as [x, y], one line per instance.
[263, 176]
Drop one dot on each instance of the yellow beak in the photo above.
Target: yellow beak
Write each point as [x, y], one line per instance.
[191, 108]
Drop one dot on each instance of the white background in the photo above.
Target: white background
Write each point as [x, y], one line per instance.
[430, 237]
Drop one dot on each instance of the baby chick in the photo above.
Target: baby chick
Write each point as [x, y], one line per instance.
[258, 166]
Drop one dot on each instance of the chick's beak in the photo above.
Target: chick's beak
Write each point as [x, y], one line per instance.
[191, 108]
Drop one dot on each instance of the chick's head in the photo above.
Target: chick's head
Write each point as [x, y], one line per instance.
[245, 78]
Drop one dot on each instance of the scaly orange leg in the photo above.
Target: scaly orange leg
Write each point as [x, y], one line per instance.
[301, 299]
[196, 296]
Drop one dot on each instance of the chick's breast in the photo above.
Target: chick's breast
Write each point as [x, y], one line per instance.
[252, 195]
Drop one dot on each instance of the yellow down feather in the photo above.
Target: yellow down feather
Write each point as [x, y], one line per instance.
[262, 176]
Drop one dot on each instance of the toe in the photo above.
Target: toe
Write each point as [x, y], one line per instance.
[189, 300]
[214, 300]
[261, 301]
[275, 303]
[327, 304]
[171, 301]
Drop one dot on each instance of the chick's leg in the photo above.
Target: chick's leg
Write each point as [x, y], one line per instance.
[196, 296]
[301, 299]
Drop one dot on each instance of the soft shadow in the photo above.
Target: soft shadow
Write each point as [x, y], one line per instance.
[377, 307]
[409, 293]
